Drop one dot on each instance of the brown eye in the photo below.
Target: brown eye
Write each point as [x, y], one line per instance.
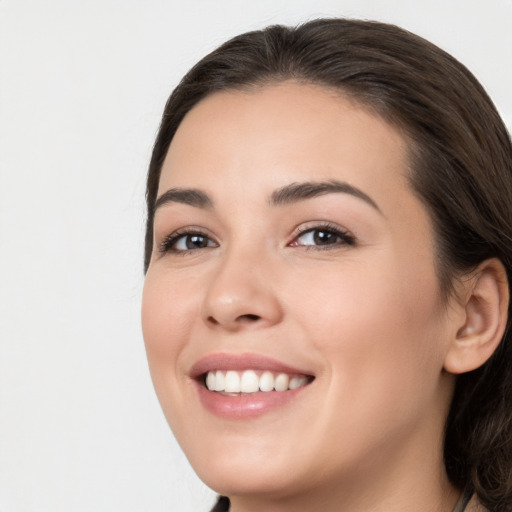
[324, 237]
[184, 242]
[192, 242]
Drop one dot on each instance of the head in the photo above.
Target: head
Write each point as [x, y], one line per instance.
[457, 161]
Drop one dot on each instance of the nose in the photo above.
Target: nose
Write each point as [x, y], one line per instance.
[241, 295]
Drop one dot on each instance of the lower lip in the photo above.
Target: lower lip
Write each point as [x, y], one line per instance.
[245, 406]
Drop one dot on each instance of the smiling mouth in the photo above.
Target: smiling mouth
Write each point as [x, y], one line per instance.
[236, 383]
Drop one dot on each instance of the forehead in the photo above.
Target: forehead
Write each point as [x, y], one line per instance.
[284, 133]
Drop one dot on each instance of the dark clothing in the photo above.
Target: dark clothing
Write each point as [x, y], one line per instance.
[222, 505]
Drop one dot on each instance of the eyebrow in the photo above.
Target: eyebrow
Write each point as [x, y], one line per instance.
[292, 193]
[300, 191]
[190, 196]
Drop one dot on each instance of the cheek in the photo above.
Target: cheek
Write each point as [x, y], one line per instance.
[380, 325]
[166, 320]
[381, 335]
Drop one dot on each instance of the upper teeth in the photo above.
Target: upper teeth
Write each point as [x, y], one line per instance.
[249, 382]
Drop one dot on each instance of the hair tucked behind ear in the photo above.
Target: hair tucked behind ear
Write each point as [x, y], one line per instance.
[461, 168]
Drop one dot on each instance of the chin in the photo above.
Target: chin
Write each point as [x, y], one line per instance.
[230, 470]
[246, 479]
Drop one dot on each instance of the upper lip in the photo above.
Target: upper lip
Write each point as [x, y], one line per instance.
[240, 362]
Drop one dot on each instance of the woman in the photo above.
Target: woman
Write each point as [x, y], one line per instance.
[328, 251]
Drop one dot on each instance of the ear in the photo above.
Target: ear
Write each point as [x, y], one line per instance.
[484, 306]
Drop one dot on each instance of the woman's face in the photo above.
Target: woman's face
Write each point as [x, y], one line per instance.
[288, 241]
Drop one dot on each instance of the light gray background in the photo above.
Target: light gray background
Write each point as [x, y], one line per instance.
[82, 87]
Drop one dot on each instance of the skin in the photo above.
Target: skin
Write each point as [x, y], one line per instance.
[367, 320]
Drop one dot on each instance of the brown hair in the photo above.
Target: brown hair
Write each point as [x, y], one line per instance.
[461, 168]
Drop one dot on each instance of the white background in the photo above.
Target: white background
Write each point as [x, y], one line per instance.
[82, 87]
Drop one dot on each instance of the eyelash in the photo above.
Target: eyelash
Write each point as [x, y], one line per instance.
[168, 243]
[346, 239]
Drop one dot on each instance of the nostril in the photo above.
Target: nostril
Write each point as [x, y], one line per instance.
[241, 319]
[248, 318]
[212, 320]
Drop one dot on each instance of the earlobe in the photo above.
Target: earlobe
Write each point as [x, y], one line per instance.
[485, 301]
